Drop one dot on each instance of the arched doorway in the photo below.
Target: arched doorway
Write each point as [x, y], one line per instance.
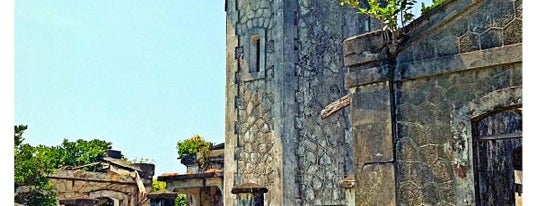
[497, 155]
[106, 201]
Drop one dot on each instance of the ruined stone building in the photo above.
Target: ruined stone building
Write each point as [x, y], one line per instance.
[439, 122]
[111, 181]
[202, 184]
[284, 64]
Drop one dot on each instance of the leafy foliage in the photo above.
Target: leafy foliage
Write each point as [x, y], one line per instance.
[33, 163]
[195, 145]
[31, 171]
[19, 130]
[425, 9]
[390, 13]
[81, 152]
[191, 146]
[181, 200]
[157, 185]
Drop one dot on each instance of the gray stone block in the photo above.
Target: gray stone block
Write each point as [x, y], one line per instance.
[375, 185]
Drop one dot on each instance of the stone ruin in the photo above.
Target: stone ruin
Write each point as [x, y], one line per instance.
[320, 116]
[111, 181]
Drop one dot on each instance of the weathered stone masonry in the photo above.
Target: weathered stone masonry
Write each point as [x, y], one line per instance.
[461, 62]
[324, 146]
[274, 135]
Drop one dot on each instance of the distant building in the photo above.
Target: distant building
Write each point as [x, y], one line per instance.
[111, 181]
[203, 186]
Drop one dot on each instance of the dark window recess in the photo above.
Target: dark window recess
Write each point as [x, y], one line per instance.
[255, 54]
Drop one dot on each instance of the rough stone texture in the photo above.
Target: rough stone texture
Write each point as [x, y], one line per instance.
[274, 134]
[78, 183]
[475, 25]
[256, 158]
[371, 125]
[428, 168]
[324, 145]
[459, 63]
[376, 179]
[426, 149]
[251, 155]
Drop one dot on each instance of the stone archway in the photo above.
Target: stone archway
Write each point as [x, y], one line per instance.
[119, 198]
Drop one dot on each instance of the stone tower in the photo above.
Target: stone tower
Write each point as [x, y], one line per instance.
[284, 64]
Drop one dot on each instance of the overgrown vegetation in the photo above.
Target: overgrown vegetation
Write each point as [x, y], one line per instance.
[158, 185]
[181, 199]
[30, 171]
[194, 145]
[191, 146]
[390, 13]
[33, 163]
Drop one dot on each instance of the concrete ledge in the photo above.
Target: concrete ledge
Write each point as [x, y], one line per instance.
[355, 78]
[92, 176]
[162, 194]
[464, 61]
[249, 188]
[363, 49]
[189, 176]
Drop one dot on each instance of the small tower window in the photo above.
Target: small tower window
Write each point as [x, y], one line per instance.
[255, 54]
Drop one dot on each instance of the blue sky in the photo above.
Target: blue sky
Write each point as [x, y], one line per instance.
[139, 74]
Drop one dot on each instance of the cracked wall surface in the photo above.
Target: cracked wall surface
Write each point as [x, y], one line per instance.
[324, 153]
[462, 60]
[428, 155]
[426, 148]
[77, 183]
[412, 115]
[274, 134]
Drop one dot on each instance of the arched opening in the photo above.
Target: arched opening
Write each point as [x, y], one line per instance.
[114, 198]
[106, 201]
[497, 154]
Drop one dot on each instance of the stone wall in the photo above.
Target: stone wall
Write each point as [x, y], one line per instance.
[324, 152]
[274, 134]
[78, 183]
[461, 61]
[252, 150]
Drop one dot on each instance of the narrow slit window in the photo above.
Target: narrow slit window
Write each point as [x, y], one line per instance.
[255, 54]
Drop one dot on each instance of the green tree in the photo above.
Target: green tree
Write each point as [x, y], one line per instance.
[30, 171]
[33, 163]
[191, 146]
[195, 145]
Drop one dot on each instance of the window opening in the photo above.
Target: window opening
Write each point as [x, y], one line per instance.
[255, 54]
